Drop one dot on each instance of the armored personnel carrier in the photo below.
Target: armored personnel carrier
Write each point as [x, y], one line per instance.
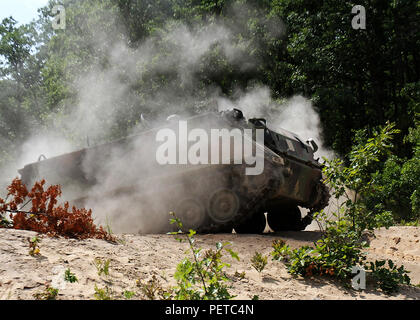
[215, 194]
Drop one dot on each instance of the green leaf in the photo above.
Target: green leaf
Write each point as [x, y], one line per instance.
[233, 254]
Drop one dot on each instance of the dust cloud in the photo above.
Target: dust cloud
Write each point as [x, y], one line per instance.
[120, 194]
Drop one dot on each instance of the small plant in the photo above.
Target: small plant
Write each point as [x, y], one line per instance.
[103, 293]
[204, 277]
[281, 251]
[388, 279]
[70, 277]
[259, 261]
[34, 246]
[239, 275]
[4, 223]
[153, 289]
[48, 294]
[121, 240]
[334, 254]
[128, 294]
[108, 226]
[415, 223]
[102, 266]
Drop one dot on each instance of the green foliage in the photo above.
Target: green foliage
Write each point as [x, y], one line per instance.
[396, 183]
[239, 275]
[385, 187]
[359, 178]
[128, 294]
[410, 223]
[339, 250]
[69, 276]
[334, 254]
[202, 278]
[352, 86]
[4, 223]
[19, 75]
[102, 266]
[396, 188]
[259, 261]
[281, 251]
[340, 247]
[108, 226]
[153, 289]
[48, 294]
[105, 293]
[15, 47]
[388, 279]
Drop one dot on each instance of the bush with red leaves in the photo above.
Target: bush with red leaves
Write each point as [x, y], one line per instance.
[45, 216]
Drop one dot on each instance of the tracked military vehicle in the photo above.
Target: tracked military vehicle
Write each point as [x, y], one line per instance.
[208, 196]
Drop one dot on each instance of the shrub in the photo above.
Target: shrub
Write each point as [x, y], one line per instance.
[333, 255]
[49, 293]
[69, 276]
[360, 175]
[45, 216]
[388, 279]
[259, 261]
[385, 186]
[153, 289]
[203, 278]
[281, 251]
[105, 293]
[128, 294]
[102, 266]
[239, 275]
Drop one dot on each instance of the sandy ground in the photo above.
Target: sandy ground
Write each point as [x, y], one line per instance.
[140, 257]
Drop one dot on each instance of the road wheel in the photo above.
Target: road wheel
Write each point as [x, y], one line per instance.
[191, 213]
[287, 218]
[223, 206]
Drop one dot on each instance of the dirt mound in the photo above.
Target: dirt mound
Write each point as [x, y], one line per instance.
[138, 257]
